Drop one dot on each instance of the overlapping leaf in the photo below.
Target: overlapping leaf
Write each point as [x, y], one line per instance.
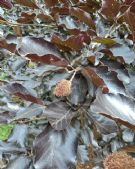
[115, 105]
[6, 4]
[72, 42]
[79, 90]
[104, 78]
[40, 50]
[28, 3]
[59, 115]
[20, 91]
[6, 45]
[130, 18]
[26, 17]
[82, 16]
[55, 149]
[110, 8]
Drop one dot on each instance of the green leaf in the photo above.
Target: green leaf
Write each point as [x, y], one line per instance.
[3, 76]
[5, 130]
[105, 41]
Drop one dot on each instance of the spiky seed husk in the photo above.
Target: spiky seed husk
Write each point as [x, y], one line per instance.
[63, 88]
[119, 160]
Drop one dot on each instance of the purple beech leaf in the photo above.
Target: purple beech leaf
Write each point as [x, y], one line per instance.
[10, 148]
[7, 45]
[55, 149]
[79, 90]
[82, 153]
[74, 42]
[50, 3]
[115, 105]
[29, 112]
[110, 8]
[122, 72]
[21, 162]
[40, 50]
[103, 124]
[59, 115]
[26, 17]
[6, 4]
[19, 135]
[122, 50]
[48, 59]
[129, 17]
[70, 24]
[20, 91]
[104, 78]
[28, 3]
[82, 16]
[130, 86]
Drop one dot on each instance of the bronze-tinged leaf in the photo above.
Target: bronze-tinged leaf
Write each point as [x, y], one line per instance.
[51, 3]
[59, 10]
[26, 17]
[104, 78]
[40, 50]
[55, 149]
[48, 59]
[110, 8]
[128, 2]
[74, 42]
[82, 16]
[18, 30]
[28, 3]
[45, 17]
[6, 4]
[92, 76]
[2, 20]
[128, 149]
[9, 46]
[20, 91]
[130, 18]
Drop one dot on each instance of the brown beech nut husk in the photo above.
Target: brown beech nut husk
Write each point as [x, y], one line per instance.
[119, 160]
[63, 88]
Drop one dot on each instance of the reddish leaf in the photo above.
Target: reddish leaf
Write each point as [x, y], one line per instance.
[20, 91]
[28, 3]
[82, 16]
[41, 50]
[72, 42]
[55, 149]
[2, 20]
[26, 17]
[72, 26]
[130, 18]
[51, 3]
[45, 17]
[9, 46]
[117, 106]
[104, 78]
[97, 81]
[110, 8]
[48, 59]
[6, 4]
[128, 2]
[60, 10]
